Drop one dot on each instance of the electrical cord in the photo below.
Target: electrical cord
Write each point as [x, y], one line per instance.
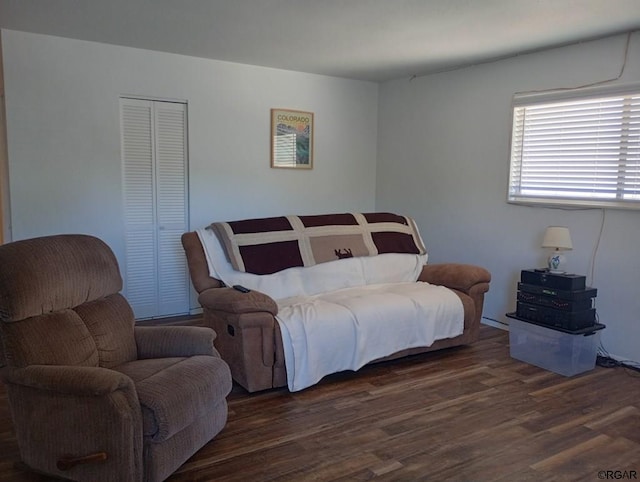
[595, 250]
[604, 359]
[606, 362]
[592, 84]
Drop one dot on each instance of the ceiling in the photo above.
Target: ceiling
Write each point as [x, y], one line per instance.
[372, 40]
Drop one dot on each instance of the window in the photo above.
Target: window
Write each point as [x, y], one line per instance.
[577, 148]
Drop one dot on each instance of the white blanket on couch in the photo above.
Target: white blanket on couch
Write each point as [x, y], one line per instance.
[341, 315]
[346, 329]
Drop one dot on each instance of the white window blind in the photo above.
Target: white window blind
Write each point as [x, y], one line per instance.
[580, 149]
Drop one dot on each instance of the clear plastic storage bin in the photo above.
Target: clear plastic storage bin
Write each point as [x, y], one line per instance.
[565, 353]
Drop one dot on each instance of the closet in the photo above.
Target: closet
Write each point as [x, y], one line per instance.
[155, 187]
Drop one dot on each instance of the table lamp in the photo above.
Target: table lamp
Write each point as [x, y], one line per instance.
[558, 238]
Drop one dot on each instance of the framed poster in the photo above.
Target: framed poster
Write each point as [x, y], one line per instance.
[291, 139]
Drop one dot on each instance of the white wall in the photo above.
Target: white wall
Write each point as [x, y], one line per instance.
[64, 138]
[443, 158]
[442, 154]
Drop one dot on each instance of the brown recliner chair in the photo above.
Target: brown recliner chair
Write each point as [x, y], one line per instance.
[92, 396]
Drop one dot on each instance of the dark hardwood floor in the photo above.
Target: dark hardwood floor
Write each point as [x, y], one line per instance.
[463, 414]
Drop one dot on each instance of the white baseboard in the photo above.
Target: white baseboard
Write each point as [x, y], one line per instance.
[494, 323]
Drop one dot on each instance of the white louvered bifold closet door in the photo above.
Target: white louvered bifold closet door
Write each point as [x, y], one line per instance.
[154, 152]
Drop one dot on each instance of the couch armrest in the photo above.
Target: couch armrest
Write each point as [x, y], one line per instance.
[69, 380]
[229, 300]
[462, 277]
[470, 281]
[246, 330]
[197, 263]
[174, 341]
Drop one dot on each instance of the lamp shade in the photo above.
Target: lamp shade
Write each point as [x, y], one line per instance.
[557, 237]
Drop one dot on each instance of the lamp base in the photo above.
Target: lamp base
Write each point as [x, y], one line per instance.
[557, 263]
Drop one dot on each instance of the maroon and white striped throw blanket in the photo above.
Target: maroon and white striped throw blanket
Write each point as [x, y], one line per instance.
[268, 245]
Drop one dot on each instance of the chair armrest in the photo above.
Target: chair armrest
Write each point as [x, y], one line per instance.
[174, 341]
[68, 415]
[462, 277]
[69, 380]
[233, 301]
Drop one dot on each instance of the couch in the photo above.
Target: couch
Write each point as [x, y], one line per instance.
[93, 397]
[250, 332]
